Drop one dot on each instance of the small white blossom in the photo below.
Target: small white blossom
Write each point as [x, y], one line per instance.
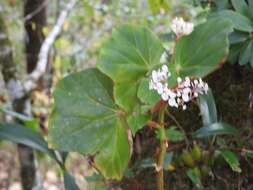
[186, 90]
[180, 27]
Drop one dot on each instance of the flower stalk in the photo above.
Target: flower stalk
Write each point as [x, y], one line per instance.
[162, 151]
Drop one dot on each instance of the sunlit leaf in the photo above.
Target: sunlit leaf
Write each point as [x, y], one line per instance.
[127, 58]
[231, 159]
[194, 175]
[200, 53]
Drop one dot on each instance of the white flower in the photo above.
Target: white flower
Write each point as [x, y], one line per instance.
[186, 90]
[180, 27]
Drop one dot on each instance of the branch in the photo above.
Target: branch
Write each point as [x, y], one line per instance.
[40, 69]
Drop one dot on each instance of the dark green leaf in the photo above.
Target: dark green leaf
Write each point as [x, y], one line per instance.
[69, 182]
[127, 57]
[85, 119]
[215, 129]
[200, 53]
[234, 53]
[241, 7]
[207, 108]
[246, 53]
[23, 135]
[238, 37]
[239, 21]
[174, 135]
[231, 159]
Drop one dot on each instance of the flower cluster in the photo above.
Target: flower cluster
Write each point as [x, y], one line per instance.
[185, 91]
[180, 27]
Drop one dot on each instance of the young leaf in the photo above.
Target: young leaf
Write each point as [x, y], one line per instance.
[174, 135]
[127, 57]
[69, 182]
[194, 175]
[85, 119]
[231, 159]
[239, 21]
[207, 108]
[23, 135]
[219, 128]
[200, 53]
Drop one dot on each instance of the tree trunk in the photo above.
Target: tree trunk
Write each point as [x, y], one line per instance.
[35, 16]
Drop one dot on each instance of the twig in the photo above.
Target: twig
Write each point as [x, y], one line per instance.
[46, 46]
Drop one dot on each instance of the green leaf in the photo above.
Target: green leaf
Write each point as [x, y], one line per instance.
[127, 58]
[219, 128]
[250, 2]
[174, 135]
[137, 121]
[200, 53]
[238, 37]
[207, 108]
[147, 96]
[234, 52]
[23, 135]
[69, 182]
[231, 159]
[28, 121]
[239, 21]
[194, 175]
[241, 7]
[246, 53]
[86, 120]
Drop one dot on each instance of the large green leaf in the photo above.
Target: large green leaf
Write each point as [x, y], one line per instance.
[207, 108]
[85, 119]
[127, 57]
[240, 22]
[23, 135]
[215, 129]
[231, 159]
[199, 53]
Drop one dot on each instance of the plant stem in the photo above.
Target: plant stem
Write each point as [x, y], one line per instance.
[162, 151]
